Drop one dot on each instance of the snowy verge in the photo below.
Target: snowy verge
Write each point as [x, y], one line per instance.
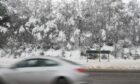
[114, 64]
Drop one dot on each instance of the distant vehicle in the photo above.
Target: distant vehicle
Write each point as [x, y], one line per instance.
[44, 70]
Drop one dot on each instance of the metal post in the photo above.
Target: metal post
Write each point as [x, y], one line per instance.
[87, 57]
[99, 50]
[108, 58]
[99, 58]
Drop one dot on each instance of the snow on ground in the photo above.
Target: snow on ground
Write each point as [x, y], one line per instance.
[116, 64]
[7, 61]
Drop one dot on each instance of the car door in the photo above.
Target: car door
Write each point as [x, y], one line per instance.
[34, 71]
[48, 69]
[24, 72]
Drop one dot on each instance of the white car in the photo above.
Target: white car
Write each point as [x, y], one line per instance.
[44, 70]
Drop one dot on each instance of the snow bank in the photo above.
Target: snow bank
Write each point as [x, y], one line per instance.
[114, 64]
[7, 61]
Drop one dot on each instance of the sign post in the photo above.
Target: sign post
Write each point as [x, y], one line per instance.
[98, 52]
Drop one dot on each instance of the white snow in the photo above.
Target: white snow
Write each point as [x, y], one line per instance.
[88, 34]
[126, 1]
[105, 47]
[51, 24]
[118, 64]
[8, 24]
[39, 36]
[61, 36]
[114, 64]
[3, 29]
[7, 61]
[103, 34]
[126, 50]
[33, 20]
[21, 29]
[1, 17]
[38, 29]
[72, 39]
[52, 52]
[46, 30]
[68, 46]
[77, 32]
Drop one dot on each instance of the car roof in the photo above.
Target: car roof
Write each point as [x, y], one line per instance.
[42, 57]
[39, 57]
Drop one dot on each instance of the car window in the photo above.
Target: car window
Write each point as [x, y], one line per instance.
[48, 62]
[36, 63]
[27, 63]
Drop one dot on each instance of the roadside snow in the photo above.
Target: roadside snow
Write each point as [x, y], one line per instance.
[114, 64]
[7, 61]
